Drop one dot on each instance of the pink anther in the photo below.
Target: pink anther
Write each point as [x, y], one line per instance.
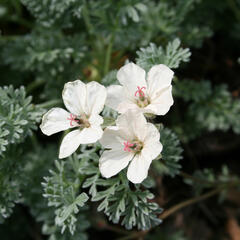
[72, 119]
[127, 146]
[140, 91]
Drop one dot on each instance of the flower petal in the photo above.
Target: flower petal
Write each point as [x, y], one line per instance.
[113, 161]
[96, 97]
[138, 169]
[133, 124]
[56, 120]
[162, 102]
[73, 139]
[74, 97]
[152, 146]
[131, 76]
[159, 77]
[115, 96]
[95, 120]
[112, 138]
[128, 105]
[70, 143]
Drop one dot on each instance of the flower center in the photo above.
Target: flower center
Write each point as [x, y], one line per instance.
[134, 146]
[142, 100]
[82, 121]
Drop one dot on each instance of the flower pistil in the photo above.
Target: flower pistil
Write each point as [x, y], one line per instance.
[142, 101]
[135, 146]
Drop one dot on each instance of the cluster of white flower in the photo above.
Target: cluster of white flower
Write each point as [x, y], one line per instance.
[133, 139]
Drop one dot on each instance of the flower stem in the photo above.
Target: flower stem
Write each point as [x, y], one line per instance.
[108, 55]
[49, 103]
[86, 19]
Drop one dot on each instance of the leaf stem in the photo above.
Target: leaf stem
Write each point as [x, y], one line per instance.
[49, 103]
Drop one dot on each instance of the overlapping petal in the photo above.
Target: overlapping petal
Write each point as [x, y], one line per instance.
[133, 124]
[96, 97]
[131, 76]
[56, 120]
[85, 102]
[132, 127]
[138, 169]
[112, 138]
[157, 90]
[113, 161]
[115, 95]
[159, 77]
[74, 97]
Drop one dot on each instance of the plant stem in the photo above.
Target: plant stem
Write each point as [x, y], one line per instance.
[108, 56]
[188, 202]
[134, 235]
[35, 85]
[49, 103]
[116, 229]
[86, 19]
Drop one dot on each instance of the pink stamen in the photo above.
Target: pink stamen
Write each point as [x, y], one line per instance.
[127, 146]
[72, 119]
[140, 91]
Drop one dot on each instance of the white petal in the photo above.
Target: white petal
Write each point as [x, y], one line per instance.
[115, 96]
[152, 146]
[96, 97]
[162, 102]
[70, 143]
[74, 97]
[113, 161]
[138, 169]
[73, 139]
[133, 124]
[112, 138]
[159, 77]
[128, 105]
[56, 120]
[131, 76]
[95, 120]
[152, 135]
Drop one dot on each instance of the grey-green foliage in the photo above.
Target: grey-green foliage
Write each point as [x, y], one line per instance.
[211, 107]
[171, 154]
[62, 191]
[48, 12]
[120, 203]
[18, 116]
[10, 182]
[171, 56]
[50, 55]
[110, 78]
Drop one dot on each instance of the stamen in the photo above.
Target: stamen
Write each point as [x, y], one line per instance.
[72, 119]
[127, 146]
[140, 92]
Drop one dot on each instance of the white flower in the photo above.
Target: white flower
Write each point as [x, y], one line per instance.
[152, 95]
[132, 140]
[84, 103]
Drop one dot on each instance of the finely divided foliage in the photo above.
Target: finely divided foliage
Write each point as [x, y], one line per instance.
[117, 152]
[171, 56]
